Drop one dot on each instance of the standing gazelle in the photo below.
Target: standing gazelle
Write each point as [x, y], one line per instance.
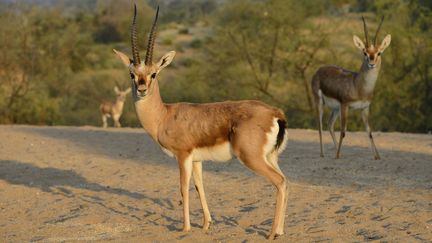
[341, 89]
[250, 130]
[114, 110]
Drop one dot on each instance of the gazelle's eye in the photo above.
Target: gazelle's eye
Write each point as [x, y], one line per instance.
[379, 53]
[153, 75]
[132, 76]
[365, 54]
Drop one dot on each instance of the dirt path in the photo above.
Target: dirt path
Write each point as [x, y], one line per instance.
[89, 184]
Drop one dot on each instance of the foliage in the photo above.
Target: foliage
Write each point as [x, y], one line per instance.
[57, 65]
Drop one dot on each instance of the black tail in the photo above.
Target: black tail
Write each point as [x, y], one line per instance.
[281, 134]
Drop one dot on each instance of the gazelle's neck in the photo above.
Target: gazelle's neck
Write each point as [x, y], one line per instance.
[367, 78]
[119, 106]
[150, 110]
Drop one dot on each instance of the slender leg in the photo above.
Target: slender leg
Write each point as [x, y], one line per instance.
[116, 121]
[334, 115]
[262, 167]
[365, 117]
[199, 186]
[185, 166]
[104, 121]
[273, 159]
[344, 114]
[319, 102]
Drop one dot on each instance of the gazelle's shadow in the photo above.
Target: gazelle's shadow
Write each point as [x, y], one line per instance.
[53, 179]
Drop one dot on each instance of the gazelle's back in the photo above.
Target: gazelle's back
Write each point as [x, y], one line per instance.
[106, 107]
[205, 125]
[334, 82]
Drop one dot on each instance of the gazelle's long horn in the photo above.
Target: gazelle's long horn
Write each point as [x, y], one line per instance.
[134, 40]
[365, 32]
[150, 45]
[377, 32]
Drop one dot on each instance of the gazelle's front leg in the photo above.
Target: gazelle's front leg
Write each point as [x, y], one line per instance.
[344, 114]
[334, 115]
[185, 165]
[116, 121]
[365, 118]
[197, 175]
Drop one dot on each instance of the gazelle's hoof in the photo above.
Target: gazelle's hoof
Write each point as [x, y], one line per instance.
[206, 225]
[322, 155]
[377, 157]
[186, 228]
[274, 236]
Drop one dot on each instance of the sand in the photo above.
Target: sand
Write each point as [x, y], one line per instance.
[69, 184]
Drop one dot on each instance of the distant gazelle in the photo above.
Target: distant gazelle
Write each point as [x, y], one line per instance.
[114, 110]
[341, 89]
[250, 130]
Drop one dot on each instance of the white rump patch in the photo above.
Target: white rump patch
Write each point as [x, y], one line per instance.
[270, 154]
[271, 137]
[284, 142]
[220, 152]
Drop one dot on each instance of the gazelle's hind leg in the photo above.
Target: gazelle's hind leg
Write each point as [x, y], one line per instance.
[197, 175]
[365, 118]
[273, 159]
[104, 121]
[319, 106]
[334, 115]
[261, 166]
[248, 146]
[344, 115]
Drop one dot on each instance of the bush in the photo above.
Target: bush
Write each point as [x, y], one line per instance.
[196, 43]
[184, 31]
[167, 42]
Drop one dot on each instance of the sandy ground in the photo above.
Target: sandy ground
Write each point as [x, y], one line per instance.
[67, 184]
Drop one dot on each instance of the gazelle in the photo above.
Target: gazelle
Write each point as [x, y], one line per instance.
[250, 130]
[114, 110]
[341, 89]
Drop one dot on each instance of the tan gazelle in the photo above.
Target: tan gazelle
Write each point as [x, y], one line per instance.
[252, 131]
[341, 89]
[114, 110]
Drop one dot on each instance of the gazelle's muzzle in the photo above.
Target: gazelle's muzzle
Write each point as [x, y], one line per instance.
[142, 90]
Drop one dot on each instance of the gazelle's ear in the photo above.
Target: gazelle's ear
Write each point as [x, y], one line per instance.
[165, 60]
[128, 90]
[385, 43]
[116, 90]
[125, 59]
[358, 43]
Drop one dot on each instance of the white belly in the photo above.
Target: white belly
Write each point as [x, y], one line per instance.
[169, 153]
[335, 104]
[220, 152]
[361, 104]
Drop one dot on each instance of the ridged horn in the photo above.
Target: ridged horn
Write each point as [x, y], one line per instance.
[377, 32]
[150, 45]
[365, 32]
[134, 40]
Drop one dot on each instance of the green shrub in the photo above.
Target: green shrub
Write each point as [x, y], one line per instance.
[184, 31]
[196, 43]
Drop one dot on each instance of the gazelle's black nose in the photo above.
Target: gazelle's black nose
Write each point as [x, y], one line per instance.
[142, 90]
